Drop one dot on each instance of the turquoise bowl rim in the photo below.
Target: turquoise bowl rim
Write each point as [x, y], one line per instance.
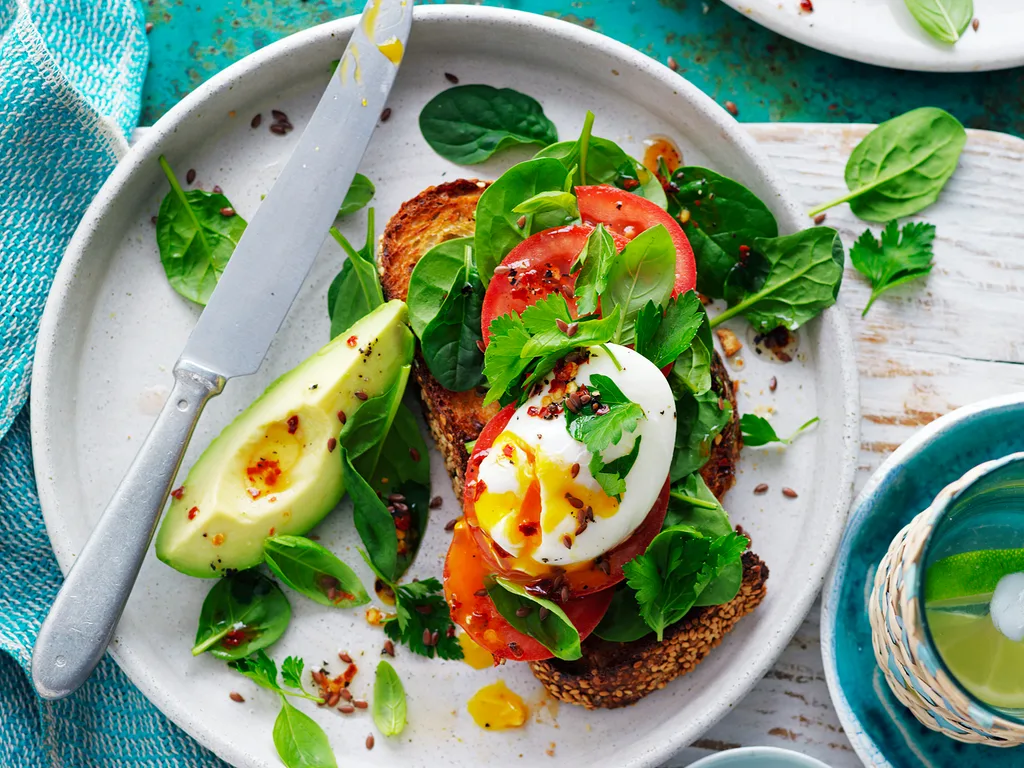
[869, 752]
[796, 759]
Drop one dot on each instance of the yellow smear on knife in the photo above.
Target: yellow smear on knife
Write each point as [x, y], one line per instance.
[370, 18]
[476, 656]
[393, 49]
[496, 708]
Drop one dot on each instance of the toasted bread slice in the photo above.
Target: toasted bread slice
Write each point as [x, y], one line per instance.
[609, 674]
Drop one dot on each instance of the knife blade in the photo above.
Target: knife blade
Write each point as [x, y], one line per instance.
[245, 311]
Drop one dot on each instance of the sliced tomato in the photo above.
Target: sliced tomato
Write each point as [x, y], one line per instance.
[465, 569]
[628, 215]
[596, 576]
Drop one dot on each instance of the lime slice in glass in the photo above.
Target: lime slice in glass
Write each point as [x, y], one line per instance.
[969, 578]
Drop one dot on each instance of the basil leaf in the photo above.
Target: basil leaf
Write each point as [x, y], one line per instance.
[555, 631]
[591, 159]
[622, 622]
[594, 264]
[194, 238]
[313, 570]
[644, 271]
[636, 178]
[359, 194]
[699, 419]
[901, 166]
[550, 200]
[373, 522]
[363, 432]
[612, 476]
[757, 431]
[497, 225]
[433, 279]
[451, 341]
[389, 708]
[692, 371]
[662, 336]
[355, 291]
[300, 742]
[469, 123]
[241, 614]
[787, 281]
[721, 216]
[945, 20]
[599, 432]
[691, 503]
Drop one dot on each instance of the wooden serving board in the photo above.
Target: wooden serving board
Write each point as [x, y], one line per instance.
[925, 349]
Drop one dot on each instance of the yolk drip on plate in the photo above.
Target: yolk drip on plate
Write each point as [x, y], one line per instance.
[495, 708]
[473, 654]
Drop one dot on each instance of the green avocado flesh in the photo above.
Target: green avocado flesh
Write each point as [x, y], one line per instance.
[275, 469]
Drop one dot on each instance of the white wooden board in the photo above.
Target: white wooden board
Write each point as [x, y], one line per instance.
[924, 349]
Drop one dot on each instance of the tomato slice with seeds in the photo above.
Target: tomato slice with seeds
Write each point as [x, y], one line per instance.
[465, 569]
[583, 580]
[628, 215]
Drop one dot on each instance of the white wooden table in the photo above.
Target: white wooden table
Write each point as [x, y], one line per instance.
[924, 349]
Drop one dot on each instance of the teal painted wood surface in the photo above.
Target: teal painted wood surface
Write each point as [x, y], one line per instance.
[719, 50]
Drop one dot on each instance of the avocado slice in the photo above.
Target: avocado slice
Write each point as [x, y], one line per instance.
[275, 469]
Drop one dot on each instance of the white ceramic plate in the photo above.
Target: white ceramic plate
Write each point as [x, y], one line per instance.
[113, 328]
[883, 32]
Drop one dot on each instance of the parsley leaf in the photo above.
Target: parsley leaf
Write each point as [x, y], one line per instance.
[594, 263]
[262, 670]
[662, 337]
[757, 431]
[503, 364]
[541, 321]
[612, 476]
[598, 432]
[678, 565]
[898, 258]
[421, 609]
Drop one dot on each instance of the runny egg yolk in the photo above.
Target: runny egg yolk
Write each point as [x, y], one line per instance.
[495, 707]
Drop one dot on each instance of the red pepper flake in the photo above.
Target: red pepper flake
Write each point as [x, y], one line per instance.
[533, 410]
[178, 492]
[509, 449]
[731, 108]
[352, 341]
[332, 443]
[293, 424]
[234, 638]
[744, 252]
[806, 6]
[227, 212]
[528, 529]
[192, 513]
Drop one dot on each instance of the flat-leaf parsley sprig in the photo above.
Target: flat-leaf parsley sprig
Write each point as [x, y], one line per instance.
[900, 256]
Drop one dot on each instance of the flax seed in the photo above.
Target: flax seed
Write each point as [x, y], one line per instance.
[561, 325]
[217, 190]
[333, 699]
[575, 469]
[236, 697]
[369, 741]
[346, 709]
[278, 115]
[227, 212]
[332, 443]
[480, 345]
[190, 176]
[414, 454]
[149, 26]
[761, 488]
[481, 593]
[385, 114]
[522, 612]
[346, 694]
[789, 493]
[427, 638]
[731, 108]
[389, 648]
[362, 395]
[341, 417]
[673, 64]
[773, 384]
[566, 291]
[543, 613]
[451, 78]
[436, 502]
[819, 218]
[564, 594]
[450, 525]
[573, 501]
[256, 120]
[343, 655]
[975, 24]
[570, 331]
[359, 704]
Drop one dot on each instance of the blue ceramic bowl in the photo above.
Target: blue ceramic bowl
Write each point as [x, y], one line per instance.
[758, 757]
[882, 731]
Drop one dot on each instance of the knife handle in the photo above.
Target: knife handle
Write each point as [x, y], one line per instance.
[81, 622]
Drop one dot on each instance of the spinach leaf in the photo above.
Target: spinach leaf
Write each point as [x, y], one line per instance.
[901, 166]
[635, 177]
[787, 280]
[663, 335]
[899, 258]
[945, 20]
[195, 239]
[720, 216]
[358, 196]
[452, 340]
[356, 291]
[554, 630]
[389, 709]
[373, 522]
[363, 432]
[433, 278]
[241, 614]
[469, 123]
[300, 742]
[262, 670]
[757, 431]
[699, 419]
[643, 272]
[599, 431]
[692, 371]
[551, 201]
[313, 570]
[594, 265]
[622, 622]
[612, 476]
[691, 503]
[497, 225]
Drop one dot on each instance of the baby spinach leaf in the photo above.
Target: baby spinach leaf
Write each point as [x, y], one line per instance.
[389, 708]
[554, 631]
[313, 570]
[469, 123]
[300, 742]
[757, 431]
[663, 335]
[241, 614]
[612, 476]
[356, 291]
[497, 225]
[421, 611]
[692, 371]
[691, 503]
[635, 177]
[622, 622]
[901, 166]
[594, 265]
[787, 281]
[699, 420]
[451, 340]
[262, 670]
[363, 432]
[602, 431]
[720, 216]
[373, 521]
[550, 201]
[195, 239]
[643, 272]
[358, 196]
[945, 20]
[433, 278]
[899, 258]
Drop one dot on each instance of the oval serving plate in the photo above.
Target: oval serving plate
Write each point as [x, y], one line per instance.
[113, 328]
[882, 731]
[884, 33]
